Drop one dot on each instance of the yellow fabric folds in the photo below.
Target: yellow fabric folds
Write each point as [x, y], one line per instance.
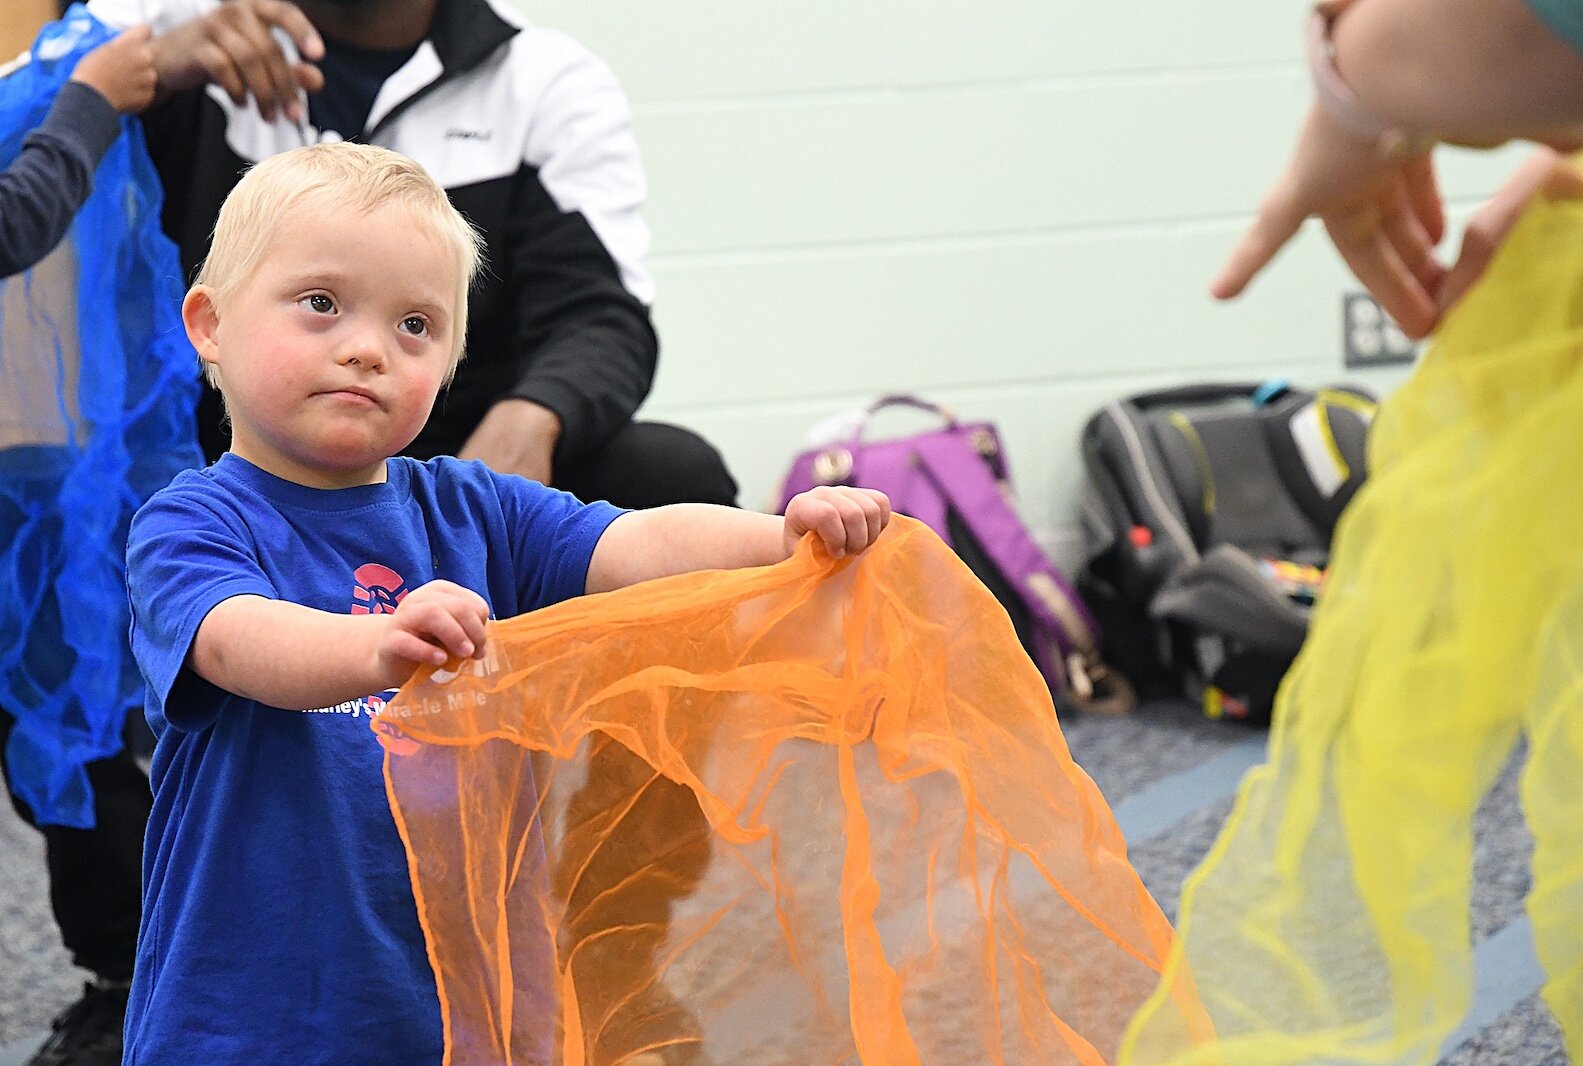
[816, 813]
[1330, 922]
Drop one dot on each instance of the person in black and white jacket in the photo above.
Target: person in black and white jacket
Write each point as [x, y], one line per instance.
[529, 134]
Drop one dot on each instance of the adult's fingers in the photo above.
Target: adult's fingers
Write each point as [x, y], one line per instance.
[236, 47]
[1361, 239]
[268, 64]
[219, 66]
[1490, 225]
[1276, 223]
[265, 53]
[1404, 229]
[290, 18]
[244, 48]
[310, 77]
[1474, 258]
[1423, 194]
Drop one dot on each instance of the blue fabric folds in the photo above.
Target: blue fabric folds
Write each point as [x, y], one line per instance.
[98, 389]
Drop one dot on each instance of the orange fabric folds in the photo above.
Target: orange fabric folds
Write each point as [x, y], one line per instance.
[814, 813]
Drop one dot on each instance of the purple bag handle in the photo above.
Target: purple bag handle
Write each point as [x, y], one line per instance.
[833, 463]
[898, 400]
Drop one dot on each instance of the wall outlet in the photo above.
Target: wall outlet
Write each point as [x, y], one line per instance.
[1368, 335]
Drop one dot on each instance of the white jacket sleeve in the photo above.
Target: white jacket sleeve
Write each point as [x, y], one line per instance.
[161, 15]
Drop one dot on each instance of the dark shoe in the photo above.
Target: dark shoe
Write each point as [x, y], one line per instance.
[87, 1033]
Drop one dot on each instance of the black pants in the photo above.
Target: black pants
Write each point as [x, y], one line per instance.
[649, 464]
[95, 875]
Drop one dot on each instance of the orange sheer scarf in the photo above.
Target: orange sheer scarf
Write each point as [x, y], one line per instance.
[814, 813]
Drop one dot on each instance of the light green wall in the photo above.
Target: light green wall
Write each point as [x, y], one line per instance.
[1012, 207]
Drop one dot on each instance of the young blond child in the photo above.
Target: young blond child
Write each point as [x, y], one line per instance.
[280, 595]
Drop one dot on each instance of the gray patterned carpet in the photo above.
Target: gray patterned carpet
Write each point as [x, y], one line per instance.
[1169, 774]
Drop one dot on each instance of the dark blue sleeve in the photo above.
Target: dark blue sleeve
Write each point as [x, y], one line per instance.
[185, 556]
[553, 538]
[41, 192]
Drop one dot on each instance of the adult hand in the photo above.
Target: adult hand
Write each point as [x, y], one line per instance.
[1545, 171]
[516, 437]
[121, 70]
[1383, 213]
[847, 520]
[234, 47]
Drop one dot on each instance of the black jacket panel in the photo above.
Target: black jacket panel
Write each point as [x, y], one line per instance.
[531, 136]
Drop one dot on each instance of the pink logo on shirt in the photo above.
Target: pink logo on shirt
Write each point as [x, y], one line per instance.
[379, 589]
[391, 739]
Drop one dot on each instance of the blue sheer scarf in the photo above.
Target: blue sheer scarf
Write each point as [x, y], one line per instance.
[98, 389]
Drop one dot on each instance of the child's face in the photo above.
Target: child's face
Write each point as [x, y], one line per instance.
[332, 351]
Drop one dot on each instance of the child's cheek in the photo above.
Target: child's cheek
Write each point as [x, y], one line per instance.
[283, 363]
[418, 396]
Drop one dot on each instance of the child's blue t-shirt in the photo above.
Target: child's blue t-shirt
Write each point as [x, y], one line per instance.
[278, 917]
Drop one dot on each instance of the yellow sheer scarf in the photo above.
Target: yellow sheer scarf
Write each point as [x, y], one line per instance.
[1330, 922]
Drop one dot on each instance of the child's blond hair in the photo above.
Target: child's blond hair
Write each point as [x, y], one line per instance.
[336, 177]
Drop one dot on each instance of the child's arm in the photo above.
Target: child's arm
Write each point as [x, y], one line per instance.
[641, 545]
[287, 655]
[41, 192]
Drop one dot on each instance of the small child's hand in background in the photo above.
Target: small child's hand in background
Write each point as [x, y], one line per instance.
[122, 71]
[846, 520]
[431, 624]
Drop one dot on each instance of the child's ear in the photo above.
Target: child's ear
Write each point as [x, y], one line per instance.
[201, 315]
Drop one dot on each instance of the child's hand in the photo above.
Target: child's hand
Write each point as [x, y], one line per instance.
[433, 623]
[846, 520]
[122, 71]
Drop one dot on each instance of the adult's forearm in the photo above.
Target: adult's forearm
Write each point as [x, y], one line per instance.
[1469, 71]
[42, 191]
[594, 375]
[286, 655]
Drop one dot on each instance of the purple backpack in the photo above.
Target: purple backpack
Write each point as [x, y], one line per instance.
[955, 481]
